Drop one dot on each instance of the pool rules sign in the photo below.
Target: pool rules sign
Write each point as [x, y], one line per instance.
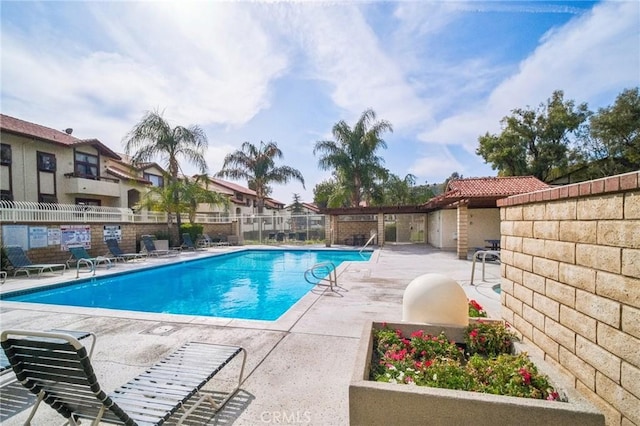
[112, 232]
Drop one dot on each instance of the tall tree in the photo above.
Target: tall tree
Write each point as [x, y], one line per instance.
[397, 191]
[195, 191]
[353, 156]
[534, 142]
[257, 166]
[614, 143]
[296, 206]
[153, 137]
[330, 193]
[191, 193]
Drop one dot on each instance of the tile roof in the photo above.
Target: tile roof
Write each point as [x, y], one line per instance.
[24, 128]
[485, 189]
[496, 186]
[243, 190]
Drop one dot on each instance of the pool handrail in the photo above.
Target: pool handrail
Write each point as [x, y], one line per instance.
[330, 276]
[373, 236]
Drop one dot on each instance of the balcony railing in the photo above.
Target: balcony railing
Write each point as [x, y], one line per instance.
[23, 211]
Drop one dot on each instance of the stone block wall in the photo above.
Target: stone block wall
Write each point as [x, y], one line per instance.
[347, 229]
[130, 241]
[571, 285]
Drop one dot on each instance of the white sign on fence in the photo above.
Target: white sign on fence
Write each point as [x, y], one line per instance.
[75, 235]
[54, 237]
[111, 232]
[16, 235]
[37, 236]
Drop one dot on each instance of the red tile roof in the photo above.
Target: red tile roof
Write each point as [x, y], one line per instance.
[47, 134]
[270, 202]
[496, 186]
[485, 189]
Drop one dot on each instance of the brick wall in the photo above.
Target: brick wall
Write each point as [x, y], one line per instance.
[571, 285]
[347, 229]
[130, 241]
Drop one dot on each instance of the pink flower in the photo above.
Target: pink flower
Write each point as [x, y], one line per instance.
[417, 333]
[526, 376]
[553, 396]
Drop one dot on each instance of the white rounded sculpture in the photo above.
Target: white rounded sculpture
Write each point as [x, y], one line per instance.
[435, 299]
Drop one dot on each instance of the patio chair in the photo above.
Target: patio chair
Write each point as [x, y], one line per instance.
[6, 374]
[204, 241]
[118, 254]
[151, 249]
[187, 243]
[80, 256]
[21, 263]
[56, 368]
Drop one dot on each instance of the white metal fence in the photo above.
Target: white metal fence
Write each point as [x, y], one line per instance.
[281, 225]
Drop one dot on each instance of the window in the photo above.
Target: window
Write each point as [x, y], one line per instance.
[88, 202]
[46, 162]
[6, 188]
[5, 154]
[86, 165]
[154, 179]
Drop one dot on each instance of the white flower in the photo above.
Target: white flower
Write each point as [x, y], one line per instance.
[435, 377]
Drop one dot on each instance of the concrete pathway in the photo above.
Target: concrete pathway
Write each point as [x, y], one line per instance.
[298, 367]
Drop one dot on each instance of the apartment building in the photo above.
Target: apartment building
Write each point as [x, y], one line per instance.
[41, 164]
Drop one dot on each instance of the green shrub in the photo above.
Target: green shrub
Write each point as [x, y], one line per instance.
[192, 229]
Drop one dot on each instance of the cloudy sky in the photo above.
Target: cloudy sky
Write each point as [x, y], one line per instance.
[442, 72]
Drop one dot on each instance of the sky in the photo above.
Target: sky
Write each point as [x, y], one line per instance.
[442, 73]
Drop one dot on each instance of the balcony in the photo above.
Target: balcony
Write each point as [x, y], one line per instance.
[94, 185]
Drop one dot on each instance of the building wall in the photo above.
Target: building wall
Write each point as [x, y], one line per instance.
[571, 285]
[347, 229]
[484, 224]
[24, 166]
[441, 229]
[129, 243]
[25, 174]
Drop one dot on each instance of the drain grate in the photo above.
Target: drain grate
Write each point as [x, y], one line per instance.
[161, 329]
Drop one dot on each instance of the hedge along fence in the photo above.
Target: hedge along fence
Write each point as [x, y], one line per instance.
[571, 285]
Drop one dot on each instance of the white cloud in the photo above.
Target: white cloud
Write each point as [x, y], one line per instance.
[592, 55]
[439, 162]
[345, 52]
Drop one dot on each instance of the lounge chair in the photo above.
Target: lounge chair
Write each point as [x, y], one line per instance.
[80, 256]
[118, 254]
[55, 366]
[6, 374]
[151, 249]
[204, 241]
[21, 263]
[187, 243]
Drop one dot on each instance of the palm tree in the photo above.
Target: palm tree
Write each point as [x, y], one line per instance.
[257, 166]
[191, 192]
[353, 156]
[153, 137]
[195, 191]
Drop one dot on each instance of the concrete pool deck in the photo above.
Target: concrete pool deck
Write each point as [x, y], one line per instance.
[298, 367]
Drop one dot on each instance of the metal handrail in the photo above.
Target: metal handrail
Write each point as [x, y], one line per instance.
[85, 262]
[368, 242]
[328, 278]
[484, 254]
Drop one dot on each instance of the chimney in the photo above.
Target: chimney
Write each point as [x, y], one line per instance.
[68, 130]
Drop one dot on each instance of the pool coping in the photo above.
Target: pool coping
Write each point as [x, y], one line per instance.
[283, 323]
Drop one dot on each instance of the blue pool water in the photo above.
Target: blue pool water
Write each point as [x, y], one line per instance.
[251, 284]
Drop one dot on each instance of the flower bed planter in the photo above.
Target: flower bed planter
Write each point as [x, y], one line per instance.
[378, 403]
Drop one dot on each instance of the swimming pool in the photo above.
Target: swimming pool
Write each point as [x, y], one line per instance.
[249, 284]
